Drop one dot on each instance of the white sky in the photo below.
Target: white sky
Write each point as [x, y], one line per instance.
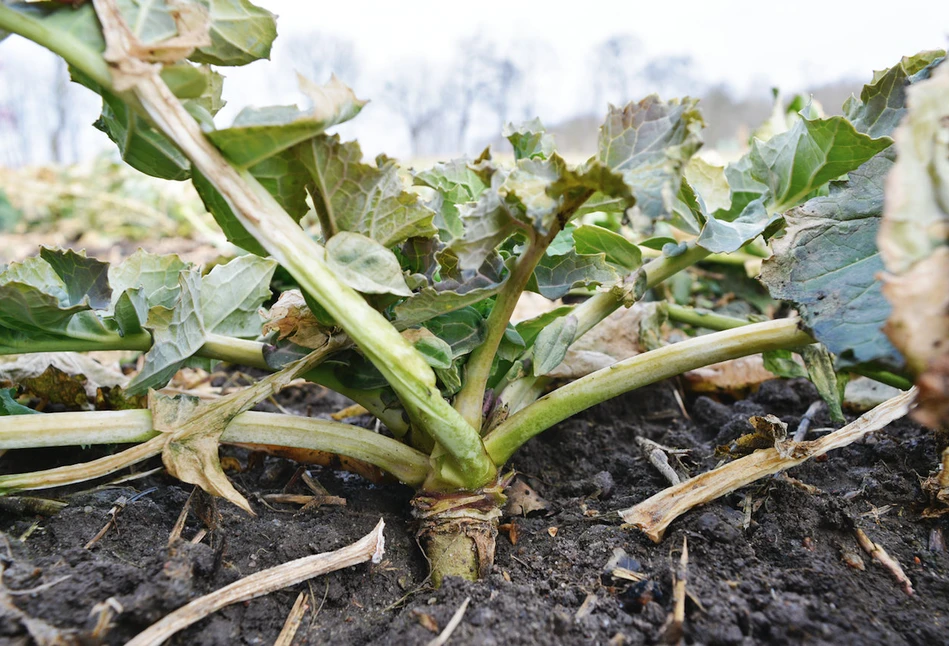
[748, 45]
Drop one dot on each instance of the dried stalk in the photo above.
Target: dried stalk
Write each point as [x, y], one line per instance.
[264, 582]
[292, 624]
[653, 516]
[879, 554]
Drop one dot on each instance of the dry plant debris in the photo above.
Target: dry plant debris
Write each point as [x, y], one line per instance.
[653, 516]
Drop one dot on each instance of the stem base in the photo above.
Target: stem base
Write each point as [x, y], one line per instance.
[458, 531]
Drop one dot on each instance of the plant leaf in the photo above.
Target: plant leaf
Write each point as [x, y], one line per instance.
[649, 143]
[260, 133]
[140, 145]
[462, 329]
[9, 406]
[551, 345]
[487, 223]
[86, 279]
[590, 239]
[554, 276]
[529, 139]
[827, 265]
[352, 196]
[365, 265]
[455, 183]
[232, 295]
[780, 173]
[240, 31]
[177, 333]
[35, 298]
[882, 102]
[437, 353]
[830, 385]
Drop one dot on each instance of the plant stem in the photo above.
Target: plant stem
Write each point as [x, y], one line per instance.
[132, 426]
[712, 321]
[638, 371]
[703, 318]
[470, 400]
[517, 392]
[405, 463]
[13, 343]
[60, 42]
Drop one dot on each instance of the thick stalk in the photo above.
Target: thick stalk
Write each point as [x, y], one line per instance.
[638, 371]
[133, 426]
[519, 392]
[713, 321]
[470, 400]
[73, 50]
[703, 318]
[259, 213]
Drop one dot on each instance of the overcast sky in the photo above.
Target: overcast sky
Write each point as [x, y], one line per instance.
[750, 45]
[747, 45]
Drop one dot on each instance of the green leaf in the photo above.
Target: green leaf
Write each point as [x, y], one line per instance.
[882, 102]
[827, 265]
[552, 344]
[365, 265]
[436, 352]
[528, 329]
[590, 239]
[649, 143]
[177, 333]
[455, 183]
[140, 145]
[241, 33]
[487, 223]
[709, 183]
[9, 406]
[554, 276]
[232, 295]
[260, 133]
[462, 329]
[86, 279]
[782, 364]
[352, 196]
[780, 173]
[529, 139]
[9, 214]
[156, 275]
[830, 385]
[35, 298]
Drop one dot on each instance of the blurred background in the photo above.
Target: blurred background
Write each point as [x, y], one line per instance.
[443, 78]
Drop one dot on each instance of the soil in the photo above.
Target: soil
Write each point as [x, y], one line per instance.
[780, 577]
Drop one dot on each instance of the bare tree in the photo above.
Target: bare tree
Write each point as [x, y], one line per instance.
[420, 97]
[316, 55]
[672, 76]
[615, 69]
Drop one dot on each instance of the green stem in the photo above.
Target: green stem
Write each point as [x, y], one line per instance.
[134, 426]
[638, 371]
[470, 400]
[517, 392]
[703, 318]
[712, 321]
[74, 51]
[15, 343]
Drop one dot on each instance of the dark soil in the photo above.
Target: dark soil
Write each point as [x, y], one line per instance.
[781, 579]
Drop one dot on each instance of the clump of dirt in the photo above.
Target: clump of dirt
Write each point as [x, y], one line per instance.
[771, 563]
